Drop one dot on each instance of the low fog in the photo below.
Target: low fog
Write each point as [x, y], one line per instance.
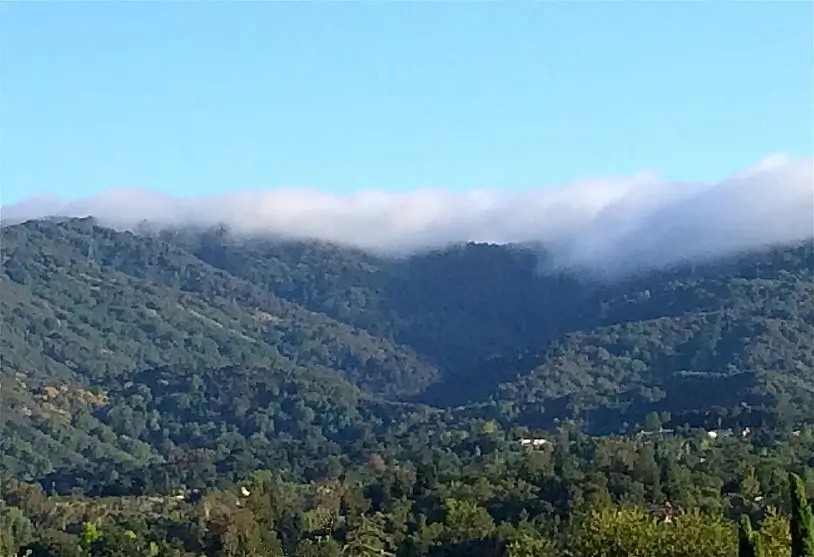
[604, 224]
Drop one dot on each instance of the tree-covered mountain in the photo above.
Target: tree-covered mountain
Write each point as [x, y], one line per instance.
[122, 353]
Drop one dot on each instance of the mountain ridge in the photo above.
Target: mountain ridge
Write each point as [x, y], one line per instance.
[437, 339]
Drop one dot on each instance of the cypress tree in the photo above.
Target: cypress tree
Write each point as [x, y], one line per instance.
[748, 539]
[802, 520]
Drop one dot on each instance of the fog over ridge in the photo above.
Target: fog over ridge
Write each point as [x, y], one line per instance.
[598, 223]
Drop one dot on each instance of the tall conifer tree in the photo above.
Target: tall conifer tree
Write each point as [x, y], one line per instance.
[802, 520]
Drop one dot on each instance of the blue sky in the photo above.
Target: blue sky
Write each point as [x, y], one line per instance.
[199, 97]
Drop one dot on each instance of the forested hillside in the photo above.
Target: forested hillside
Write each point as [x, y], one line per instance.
[482, 328]
[134, 365]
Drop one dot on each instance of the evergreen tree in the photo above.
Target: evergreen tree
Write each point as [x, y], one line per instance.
[369, 539]
[802, 520]
[748, 539]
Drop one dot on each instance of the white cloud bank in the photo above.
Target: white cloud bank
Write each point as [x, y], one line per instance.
[599, 223]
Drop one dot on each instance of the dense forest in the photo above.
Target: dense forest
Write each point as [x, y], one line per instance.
[190, 392]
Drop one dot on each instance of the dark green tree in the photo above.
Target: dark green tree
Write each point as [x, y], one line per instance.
[748, 539]
[802, 520]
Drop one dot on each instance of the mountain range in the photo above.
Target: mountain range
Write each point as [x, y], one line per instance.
[124, 353]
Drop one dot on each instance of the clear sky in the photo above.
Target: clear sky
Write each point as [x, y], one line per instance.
[203, 97]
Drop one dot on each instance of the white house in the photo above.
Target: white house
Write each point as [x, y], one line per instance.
[534, 442]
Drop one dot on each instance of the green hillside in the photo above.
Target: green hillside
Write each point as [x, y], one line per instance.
[125, 351]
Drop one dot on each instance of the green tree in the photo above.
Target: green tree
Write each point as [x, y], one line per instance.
[529, 545]
[369, 539]
[775, 540]
[466, 521]
[632, 532]
[15, 530]
[115, 542]
[749, 483]
[802, 519]
[748, 540]
[90, 534]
